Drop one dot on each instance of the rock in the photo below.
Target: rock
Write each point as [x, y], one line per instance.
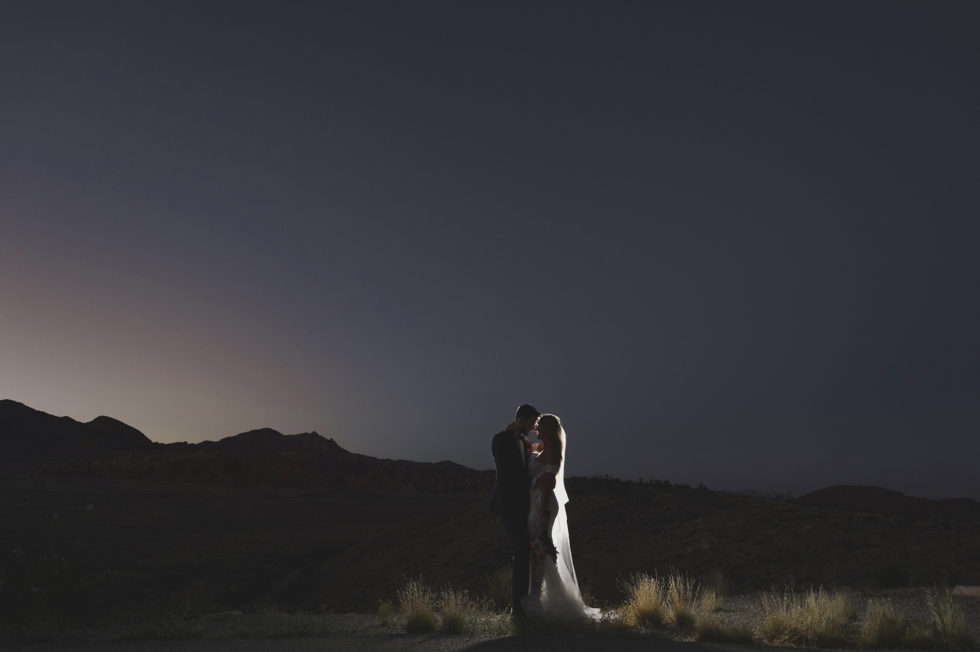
[972, 591]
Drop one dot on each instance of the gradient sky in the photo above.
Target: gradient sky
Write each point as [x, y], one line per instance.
[730, 243]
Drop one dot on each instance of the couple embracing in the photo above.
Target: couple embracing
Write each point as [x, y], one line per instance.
[530, 498]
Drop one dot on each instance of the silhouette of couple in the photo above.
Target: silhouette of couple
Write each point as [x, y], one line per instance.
[530, 498]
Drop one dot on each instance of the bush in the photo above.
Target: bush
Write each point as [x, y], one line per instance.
[946, 625]
[882, 627]
[815, 618]
[655, 601]
[386, 612]
[456, 607]
[645, 601]
[450, 611]
[417, 603]
[682, 595]
[710, 600]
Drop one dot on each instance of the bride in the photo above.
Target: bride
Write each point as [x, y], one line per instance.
[554, 587]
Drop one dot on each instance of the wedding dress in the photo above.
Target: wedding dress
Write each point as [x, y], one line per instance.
[554, 587]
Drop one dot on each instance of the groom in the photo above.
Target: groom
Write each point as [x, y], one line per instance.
[511, 496]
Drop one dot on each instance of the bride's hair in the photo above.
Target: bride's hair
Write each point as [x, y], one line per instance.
[550, 424]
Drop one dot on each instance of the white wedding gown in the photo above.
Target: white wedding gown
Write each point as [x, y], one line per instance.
[554, 587]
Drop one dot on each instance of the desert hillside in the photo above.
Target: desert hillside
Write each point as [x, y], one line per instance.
[297, 521]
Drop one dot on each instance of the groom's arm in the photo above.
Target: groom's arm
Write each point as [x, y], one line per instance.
[507, 464]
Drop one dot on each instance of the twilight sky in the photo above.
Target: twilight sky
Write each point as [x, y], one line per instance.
[730, 243]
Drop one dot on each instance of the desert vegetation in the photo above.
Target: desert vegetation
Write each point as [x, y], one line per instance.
[677, 606]
[946, 626]
[816, 617]
[91, 552]
[672, 600]
[424, 610]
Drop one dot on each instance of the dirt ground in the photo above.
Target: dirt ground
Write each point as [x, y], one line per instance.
[393, 643]
[363, 633]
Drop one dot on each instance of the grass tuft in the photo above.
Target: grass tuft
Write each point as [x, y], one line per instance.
[882, 627]
[417, 603]
[456, 608]
[450, 611]
[682, 596]
[673, 600]
[386, 612]
[645, 600]
[710, 600]
[817, 618]
[946, 626]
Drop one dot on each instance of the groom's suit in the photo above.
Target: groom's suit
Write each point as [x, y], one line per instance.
[512, 499]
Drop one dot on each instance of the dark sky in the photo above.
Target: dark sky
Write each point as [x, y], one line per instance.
[730, 243]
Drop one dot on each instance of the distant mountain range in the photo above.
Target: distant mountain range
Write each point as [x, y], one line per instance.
[184, 535]
[105, 447]
[894, 504]
[31, 440]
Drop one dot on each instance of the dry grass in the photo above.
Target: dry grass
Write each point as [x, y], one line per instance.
[817, 617]
[386, 612]
[946, 626]
[645, 600]
[710, 600]
[682, 596]
[450, 611]
[497, 588]
[417, 603]
[456, 608]
[673, 600]
[882, 627]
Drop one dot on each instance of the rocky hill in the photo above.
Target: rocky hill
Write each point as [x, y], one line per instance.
[894, 504]
[30, 438]
[105, 447]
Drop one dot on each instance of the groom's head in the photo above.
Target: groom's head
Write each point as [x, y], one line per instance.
[525, 418]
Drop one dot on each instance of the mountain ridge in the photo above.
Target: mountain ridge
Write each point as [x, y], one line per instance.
[263, 457]
[889, 502]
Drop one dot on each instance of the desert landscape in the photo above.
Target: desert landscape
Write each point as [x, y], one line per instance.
[102, 528]
[286, 267]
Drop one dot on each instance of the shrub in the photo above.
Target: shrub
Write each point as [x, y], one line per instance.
[655, 601]
[682, 595]
[814, 618]
[417, 603]
[456, 607]
[712, 631]
[882, 627]
[710, 600]
[386, 612]
[946, 625]
[645, 601]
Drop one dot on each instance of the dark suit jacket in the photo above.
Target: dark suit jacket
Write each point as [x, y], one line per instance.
[512, 493]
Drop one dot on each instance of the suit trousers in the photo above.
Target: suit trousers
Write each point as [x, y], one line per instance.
[521, 571]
